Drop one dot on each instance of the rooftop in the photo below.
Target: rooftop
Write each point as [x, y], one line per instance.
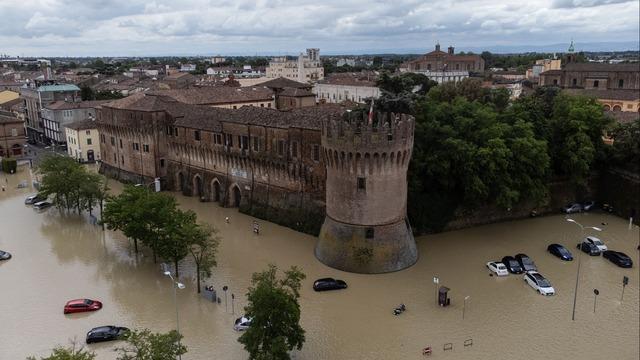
[58, 87]
[82, 125]
[214, 95]
[8, 117]
[351, 79]
[281, 83]
[594, 66]
[629, 94]
[66, 105]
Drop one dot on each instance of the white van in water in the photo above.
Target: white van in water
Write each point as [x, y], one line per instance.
[33, 199]
[242, 323]
[42, 205]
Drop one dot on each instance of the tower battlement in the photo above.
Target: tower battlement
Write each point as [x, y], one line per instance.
[354, 131]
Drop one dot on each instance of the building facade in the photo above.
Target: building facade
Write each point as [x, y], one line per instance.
[36, 97]
[442, 64]
[594, 76]
[12, 135]
[306, 68]
[83, 141]
[346, 87]
[56, 115]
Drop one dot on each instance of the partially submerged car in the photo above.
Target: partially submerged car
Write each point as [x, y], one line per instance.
[242, 323]
[81, 305]
[497, 268]
[328, 284]
[619, 258]
[106, 333]
[4, 255]
[560, 251]
[539, 283]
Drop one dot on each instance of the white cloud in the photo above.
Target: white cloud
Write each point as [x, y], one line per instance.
[88, 27]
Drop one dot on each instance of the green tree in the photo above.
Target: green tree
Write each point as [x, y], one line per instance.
[625, 151]
[68, 353]
[275, 313]
[203, 243]
[174, 235]
[145, 345]
[87, 93]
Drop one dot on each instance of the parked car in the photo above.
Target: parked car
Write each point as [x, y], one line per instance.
[242, 323]
[4, 255]
[597, 242]
[589, 248]
[328, 284]
[539, 283]
[41, 205]
[560, 251]
[572, 208]
[589, 205]
[106, 333]
[498, 268]
[512, 265]
[526, 263]
[619, 258]
[34, 199]
[82, 305]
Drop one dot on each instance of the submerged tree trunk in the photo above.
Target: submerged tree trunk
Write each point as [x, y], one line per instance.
[175, 262]
[198, 276]
[135, 243]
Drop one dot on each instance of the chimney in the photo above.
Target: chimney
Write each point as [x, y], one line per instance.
[437, 46]
[450, 50]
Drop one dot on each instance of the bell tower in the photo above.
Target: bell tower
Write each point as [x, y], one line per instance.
[366, 158]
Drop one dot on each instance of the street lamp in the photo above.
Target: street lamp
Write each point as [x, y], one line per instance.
[575, 292]
[176, 285]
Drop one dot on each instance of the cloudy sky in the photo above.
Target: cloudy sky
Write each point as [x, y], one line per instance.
[175, 27]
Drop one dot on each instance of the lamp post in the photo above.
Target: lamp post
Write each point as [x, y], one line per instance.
[464, 306]
[575, 292]
[176, 285]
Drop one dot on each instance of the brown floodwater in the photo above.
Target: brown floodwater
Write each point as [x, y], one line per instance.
[57, 257]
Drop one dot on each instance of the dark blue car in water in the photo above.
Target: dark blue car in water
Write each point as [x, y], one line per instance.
[560, 251]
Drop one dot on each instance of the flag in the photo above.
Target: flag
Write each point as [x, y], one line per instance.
[371, 113]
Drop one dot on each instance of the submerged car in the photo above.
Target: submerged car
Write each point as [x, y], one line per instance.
[498, 268]
[589, 205]
[81, 305]
[328, 284]
[597, 242]
[242, 323]
[526, 263]
[106, 333]
[512, 265]
[30, 200]
[572, 208]
[560, 251]
[4, 255]
[589, 248]
[41, 205]
[539, 283]
[619, 258]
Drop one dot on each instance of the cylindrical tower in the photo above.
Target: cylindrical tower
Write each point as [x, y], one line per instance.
[366, 228]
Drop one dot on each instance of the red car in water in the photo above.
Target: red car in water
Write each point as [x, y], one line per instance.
[82, 305]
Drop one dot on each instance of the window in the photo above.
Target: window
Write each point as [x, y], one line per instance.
[294, 149]
[244, 142]
[113, 141]
[269, 105]
[281, 147]
[256, 143]
[14, 132]
[161, 163]
[168, 130]
[369, 233]
[555, 81]
[102, 138]
[596, 83]
[621, 83]
[575, 82]
[120, 143]
[115, 159]
[362, 184]
[229, 140]
[217, 139]
[145, 148]
[175, 131]
[122, 157]
[136, 146]
[88, 132]
[316, 153]
[88, 141]
[196, 135]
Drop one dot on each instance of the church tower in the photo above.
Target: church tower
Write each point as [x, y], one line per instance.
[366, 158]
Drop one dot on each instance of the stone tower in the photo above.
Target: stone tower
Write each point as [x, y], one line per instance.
[366, 228]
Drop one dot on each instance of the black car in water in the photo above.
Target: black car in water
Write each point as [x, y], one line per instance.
[560, 251]
[589, 248]
[328, 284]
[4, 255]
[512, 265]
[106, 333]
[526, 263]
[619, 258]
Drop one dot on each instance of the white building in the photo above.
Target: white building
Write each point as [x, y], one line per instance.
[443, 76]
[346, 87]
[187, 67]
[83, 141]
[307, 68]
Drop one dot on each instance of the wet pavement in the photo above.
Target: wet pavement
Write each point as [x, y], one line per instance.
[57, 257]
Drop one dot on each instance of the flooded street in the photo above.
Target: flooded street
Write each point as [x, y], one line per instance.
[58, 257]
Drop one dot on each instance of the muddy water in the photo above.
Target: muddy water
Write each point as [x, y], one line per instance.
[58, 257]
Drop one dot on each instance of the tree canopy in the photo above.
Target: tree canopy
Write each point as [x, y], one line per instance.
[145, 345]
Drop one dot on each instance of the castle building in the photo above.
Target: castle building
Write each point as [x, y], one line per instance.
[366, 228]
[443, 66]
[306, 68]
[278, 165]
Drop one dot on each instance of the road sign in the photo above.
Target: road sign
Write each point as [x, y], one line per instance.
[625, 280]
[595, 291]
[436, 280]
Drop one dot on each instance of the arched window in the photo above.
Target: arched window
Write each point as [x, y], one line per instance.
[607, 108]
[575, 82]
[617, 108]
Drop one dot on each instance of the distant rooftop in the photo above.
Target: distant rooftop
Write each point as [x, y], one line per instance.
[58, 87]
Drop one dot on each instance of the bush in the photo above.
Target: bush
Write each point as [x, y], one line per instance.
[9, 165]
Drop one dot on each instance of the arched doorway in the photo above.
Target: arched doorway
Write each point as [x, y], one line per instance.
[617, 108]
[197, 186]
[90, 156]
[236, 196]
[607, 108]
[215, 190]
[180, 180]
[16, 149]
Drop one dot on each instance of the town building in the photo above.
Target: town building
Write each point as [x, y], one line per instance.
[339, 87]
[612, 100]
[443, 66]
[12, 135]
[83, 140]
[8, 98]
[541, 66]
[222, 96]
[306, 68]
[187, 67]
[290, 94]
[178, 80]
[218, 59]
[36, 96]
[58, 114]
[598, 76]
